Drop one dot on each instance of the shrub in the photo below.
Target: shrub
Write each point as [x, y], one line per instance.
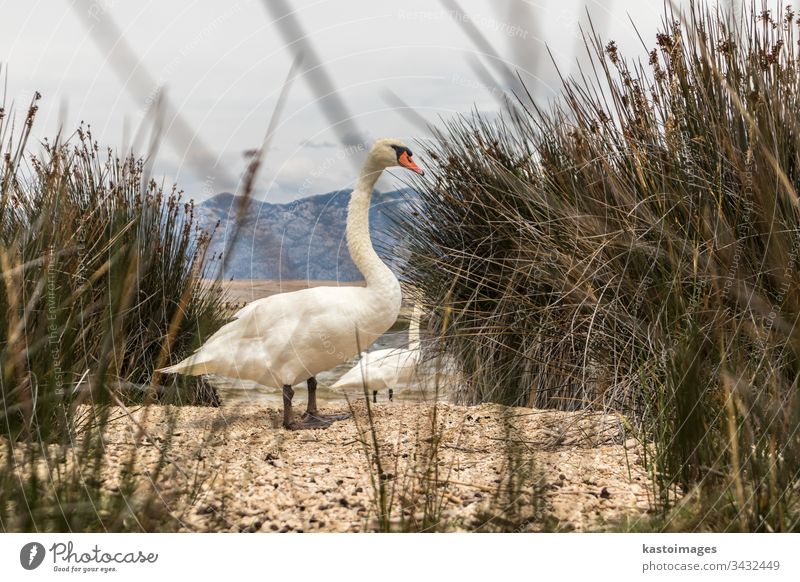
[102, 283]
[635, 247]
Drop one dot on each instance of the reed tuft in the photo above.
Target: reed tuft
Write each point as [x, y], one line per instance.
[635, 248]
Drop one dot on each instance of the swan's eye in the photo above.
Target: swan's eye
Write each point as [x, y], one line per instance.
[400, 150]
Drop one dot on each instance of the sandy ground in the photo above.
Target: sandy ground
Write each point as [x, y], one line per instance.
[245, 473]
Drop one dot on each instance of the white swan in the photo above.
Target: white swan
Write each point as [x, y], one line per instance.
[287, 338]
[388, 368]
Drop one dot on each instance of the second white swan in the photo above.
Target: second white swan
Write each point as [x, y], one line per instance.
[388, 368]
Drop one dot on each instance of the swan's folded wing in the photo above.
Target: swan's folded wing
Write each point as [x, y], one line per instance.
[258, 318]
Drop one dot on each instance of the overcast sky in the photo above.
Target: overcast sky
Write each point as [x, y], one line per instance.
[223, 64]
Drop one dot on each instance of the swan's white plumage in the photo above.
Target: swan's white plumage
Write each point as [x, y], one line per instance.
[381, 369]
[287, 338]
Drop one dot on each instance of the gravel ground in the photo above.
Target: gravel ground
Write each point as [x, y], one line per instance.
[235, 469]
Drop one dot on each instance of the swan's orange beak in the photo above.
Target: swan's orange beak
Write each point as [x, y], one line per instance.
[406, 161]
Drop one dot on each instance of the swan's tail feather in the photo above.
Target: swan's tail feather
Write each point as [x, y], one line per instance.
[190, 367]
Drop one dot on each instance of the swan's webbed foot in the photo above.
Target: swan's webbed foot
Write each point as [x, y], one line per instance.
[312, 415]
[327, 417]
[311, 419]
[308, 422]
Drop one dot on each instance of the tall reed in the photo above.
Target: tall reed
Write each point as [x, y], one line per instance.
[635, 247]
[102, 282]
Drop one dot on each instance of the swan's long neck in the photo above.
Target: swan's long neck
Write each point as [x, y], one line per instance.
[376, 273]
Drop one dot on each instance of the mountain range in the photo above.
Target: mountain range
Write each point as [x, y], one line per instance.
[303, 239]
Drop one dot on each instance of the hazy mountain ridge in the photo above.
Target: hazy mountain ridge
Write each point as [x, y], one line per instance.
[303, 239]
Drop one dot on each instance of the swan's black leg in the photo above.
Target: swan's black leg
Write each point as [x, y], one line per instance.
[288, 394]
[309, 420]
[312, 418]
[311, 410]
